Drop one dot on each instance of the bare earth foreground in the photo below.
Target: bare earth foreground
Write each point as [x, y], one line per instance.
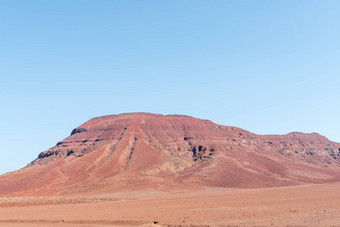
[304, 205]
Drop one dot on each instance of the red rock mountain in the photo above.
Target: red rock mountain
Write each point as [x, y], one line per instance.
[141, 150]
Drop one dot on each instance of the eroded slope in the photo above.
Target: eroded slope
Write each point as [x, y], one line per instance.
[141, 150]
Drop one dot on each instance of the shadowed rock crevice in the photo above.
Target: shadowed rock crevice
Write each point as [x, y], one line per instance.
[78, 130]
[201, 153]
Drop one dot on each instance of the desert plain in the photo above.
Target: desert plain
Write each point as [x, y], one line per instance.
[303, 205]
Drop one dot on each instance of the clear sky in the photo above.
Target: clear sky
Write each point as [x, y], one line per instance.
[270, 67]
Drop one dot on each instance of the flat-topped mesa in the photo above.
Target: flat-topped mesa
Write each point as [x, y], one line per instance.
[112, 129]
[152, 149]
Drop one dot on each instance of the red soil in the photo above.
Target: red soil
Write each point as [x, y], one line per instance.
[303, 205]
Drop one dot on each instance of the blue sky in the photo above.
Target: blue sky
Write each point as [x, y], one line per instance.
[270, 67]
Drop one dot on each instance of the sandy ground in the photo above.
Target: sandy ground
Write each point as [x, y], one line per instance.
[306, 205]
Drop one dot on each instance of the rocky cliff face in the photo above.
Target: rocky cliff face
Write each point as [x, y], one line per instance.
[137, 150]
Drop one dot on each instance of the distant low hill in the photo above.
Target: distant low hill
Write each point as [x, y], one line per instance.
[142, 151]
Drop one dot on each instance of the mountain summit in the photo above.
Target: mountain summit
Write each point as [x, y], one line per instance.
[142, 150]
